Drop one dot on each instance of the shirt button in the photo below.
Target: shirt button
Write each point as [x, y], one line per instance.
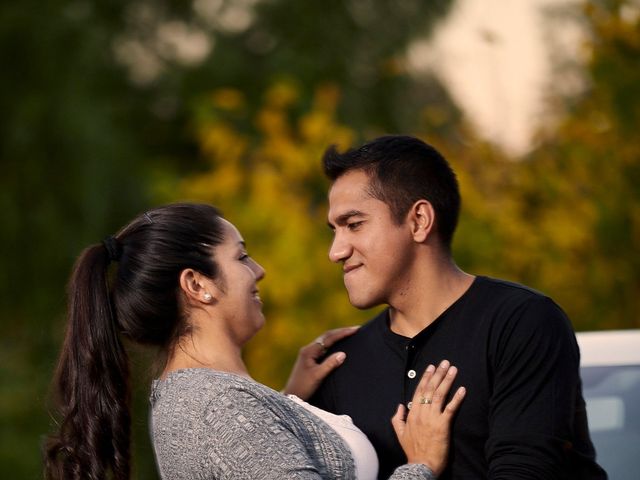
[411, 374]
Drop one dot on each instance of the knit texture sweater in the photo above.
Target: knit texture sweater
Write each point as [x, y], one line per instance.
[207, 424]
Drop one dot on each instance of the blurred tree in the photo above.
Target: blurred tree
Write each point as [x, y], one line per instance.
[264, 99]
[66, 141]
[565, 219]
[290, 70]
[580, 190]
[106, 107]
[96, 100]
[249, 44]
[264, 175]
[560, 220]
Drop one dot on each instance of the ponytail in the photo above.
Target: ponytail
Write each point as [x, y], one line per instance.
[91, 382]
[141, 304]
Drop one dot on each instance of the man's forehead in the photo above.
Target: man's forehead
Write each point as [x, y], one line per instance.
[350, 188]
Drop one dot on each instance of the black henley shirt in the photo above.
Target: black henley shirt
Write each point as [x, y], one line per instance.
[523, 416]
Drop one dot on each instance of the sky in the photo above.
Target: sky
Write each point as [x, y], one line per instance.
[495, 58]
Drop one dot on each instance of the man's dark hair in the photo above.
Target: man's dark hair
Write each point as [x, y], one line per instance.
[403, 170]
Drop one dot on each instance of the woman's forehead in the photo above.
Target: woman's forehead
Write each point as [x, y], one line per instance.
[231, 233]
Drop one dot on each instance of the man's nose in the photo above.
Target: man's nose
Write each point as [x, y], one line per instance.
[340, 249]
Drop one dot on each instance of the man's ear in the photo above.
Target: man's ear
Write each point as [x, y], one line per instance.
[196, 287]
[422, 219]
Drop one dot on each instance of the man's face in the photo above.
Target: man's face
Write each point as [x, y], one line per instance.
[375, 252]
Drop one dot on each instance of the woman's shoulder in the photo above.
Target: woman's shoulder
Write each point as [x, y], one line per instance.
[200, 386]
[193, 406]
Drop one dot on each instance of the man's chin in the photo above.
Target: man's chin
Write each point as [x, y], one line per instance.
[362, 303]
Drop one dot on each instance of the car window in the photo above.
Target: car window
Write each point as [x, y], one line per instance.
[612, 394]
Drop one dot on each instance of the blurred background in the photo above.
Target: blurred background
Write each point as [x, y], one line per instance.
[108, 108]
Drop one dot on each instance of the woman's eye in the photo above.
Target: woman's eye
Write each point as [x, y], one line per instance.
[244, 257]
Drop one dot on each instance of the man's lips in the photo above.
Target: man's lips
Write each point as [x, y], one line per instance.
[350, 268]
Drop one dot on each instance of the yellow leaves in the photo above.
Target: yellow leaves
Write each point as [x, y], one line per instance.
[228, 99]
[315, 126]
[318, 126]
[537, 221]
[273, 121]
[260, 179]
[282, 95]
[224, 148]
[220, 142]
[326, 98]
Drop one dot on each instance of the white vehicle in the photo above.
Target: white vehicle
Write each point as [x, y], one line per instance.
[610, 369]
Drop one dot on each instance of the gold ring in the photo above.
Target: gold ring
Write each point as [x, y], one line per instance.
[425, 401]
[320, 342]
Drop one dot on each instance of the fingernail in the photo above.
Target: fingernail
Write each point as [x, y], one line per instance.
[430, 368]
[340, 357]
[452, 371]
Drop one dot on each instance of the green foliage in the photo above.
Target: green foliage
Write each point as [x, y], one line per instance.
[560, 220]
[269, 185]
[587, 193]
[64, 146]
[565, 220]
[87, 141]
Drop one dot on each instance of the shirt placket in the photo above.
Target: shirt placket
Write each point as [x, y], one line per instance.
[411, 374]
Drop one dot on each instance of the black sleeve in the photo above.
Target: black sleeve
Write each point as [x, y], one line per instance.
[535, 383]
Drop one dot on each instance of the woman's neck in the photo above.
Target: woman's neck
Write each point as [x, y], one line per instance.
[189, 352]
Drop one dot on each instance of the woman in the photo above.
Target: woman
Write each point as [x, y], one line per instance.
[182, 281]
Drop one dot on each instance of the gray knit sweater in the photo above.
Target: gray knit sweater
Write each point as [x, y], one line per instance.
[215, 425]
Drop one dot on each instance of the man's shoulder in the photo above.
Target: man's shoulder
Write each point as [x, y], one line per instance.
[497, 293]
[506, 288]
[512, 305]
[506, 301]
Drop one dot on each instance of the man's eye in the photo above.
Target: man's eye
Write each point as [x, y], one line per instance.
[353, 225]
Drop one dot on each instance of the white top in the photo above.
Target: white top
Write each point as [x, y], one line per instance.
[364, 455]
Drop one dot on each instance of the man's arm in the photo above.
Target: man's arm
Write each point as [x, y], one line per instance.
[535, 386]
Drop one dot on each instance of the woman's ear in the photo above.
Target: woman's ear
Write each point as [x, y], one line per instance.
[196, 287]
[422, 218]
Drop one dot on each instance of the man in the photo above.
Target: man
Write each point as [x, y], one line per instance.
[393, 207]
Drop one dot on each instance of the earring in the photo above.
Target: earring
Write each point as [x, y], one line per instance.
[207, 297]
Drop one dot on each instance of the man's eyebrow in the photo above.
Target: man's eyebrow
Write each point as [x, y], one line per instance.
[345, 217]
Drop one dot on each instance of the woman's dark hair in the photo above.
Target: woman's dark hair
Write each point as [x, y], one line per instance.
[140, 301]
[403, 170]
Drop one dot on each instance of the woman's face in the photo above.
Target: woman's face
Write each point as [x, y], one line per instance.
[238, 299]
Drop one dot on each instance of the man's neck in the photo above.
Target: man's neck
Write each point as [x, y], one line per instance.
[433, 290]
